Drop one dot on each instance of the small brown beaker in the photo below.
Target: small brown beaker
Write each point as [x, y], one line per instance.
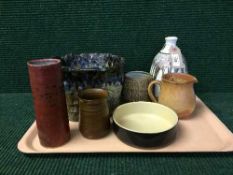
[94, 113]
[49, 101]
[176, 92]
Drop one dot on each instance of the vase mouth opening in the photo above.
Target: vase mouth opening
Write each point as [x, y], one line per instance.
[43, 62]
[91, 94]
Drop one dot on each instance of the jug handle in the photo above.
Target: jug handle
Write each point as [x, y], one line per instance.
[150, 90]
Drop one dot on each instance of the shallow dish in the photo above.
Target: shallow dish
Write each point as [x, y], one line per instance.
[145, 124]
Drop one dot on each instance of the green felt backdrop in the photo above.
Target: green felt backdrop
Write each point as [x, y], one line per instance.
[133, 29]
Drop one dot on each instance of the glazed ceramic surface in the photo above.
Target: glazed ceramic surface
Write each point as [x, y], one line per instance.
[145, 124]
[49, 102]
[176, 92]
[94, 113]
[92, 70]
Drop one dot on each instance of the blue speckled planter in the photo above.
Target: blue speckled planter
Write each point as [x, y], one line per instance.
[90, 70]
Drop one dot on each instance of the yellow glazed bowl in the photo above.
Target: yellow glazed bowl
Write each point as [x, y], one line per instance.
[145, 124]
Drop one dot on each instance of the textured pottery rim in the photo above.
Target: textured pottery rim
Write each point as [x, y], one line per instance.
[140, 77]
[145, 103]
[67, 68]
[188, 78]
[50, 61]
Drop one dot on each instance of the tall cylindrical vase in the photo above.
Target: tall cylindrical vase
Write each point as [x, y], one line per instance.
[49, 102]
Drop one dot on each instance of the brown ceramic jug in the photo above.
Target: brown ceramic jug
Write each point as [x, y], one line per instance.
[176, 92]
[94, 113]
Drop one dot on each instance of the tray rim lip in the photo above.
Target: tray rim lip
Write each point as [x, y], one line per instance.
[229, 148]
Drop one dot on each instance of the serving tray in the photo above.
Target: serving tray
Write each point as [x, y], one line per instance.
[202, 132]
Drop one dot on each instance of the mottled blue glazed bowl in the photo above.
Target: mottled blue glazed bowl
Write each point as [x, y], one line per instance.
[92, 70]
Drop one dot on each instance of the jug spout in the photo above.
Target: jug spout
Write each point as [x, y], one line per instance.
[191, 78]
[195, 80]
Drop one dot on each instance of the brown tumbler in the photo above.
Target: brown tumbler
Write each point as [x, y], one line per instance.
[49, 102]
[94, 113]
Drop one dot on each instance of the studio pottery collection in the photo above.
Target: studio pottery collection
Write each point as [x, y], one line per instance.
[92, 90]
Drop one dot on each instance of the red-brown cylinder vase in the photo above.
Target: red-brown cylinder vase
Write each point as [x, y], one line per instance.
[49, 101]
